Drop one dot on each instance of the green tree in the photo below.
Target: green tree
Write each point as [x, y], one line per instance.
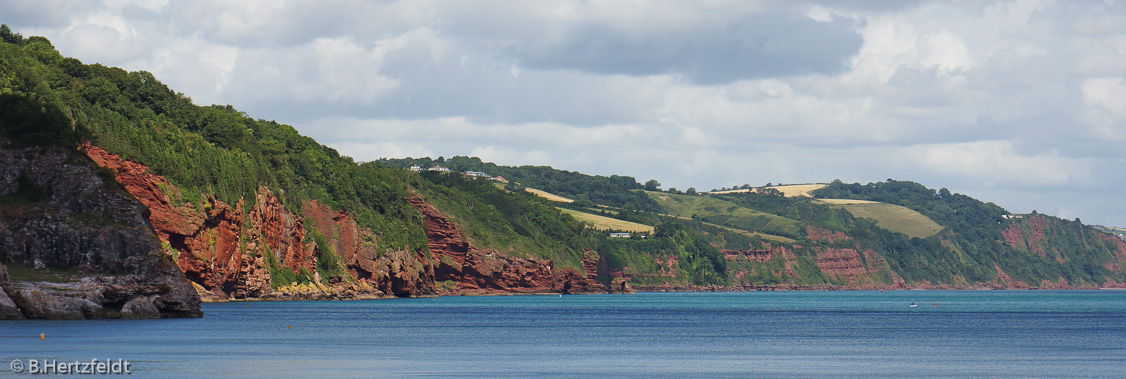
[7, 36]
[652, 185]
[25, 121]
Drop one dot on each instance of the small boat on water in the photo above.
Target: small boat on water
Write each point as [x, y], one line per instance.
[913, 305]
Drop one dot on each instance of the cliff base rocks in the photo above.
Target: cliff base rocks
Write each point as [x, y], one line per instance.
[76, 246]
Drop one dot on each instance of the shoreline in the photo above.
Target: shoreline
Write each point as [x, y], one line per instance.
[670, 289]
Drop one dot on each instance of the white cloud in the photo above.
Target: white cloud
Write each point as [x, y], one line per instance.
[1110, 93]
[999, 163]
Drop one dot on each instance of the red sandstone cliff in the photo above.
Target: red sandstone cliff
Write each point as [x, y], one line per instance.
[226, 250]
[462, 268]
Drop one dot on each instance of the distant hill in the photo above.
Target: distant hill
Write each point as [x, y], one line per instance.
[889, 216]
[721, 212]
[614, 191]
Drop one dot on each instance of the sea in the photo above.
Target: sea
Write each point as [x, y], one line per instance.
[1016, 334]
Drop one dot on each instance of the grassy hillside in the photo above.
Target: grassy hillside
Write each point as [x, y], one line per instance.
[607, 223]
[889, 216]
[720, 212]
[763, 236]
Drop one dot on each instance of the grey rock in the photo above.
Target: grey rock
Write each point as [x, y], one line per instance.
[38, 304]
[140, 307]
[8, 308]
[68, 219]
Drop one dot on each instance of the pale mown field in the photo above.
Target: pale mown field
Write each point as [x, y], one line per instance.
[799, 189]
[846, 201]
[605, 223]
[794, 190]
[889, 216]
[549, 196]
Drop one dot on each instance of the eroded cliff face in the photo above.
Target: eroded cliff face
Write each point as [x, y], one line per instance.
[392, 272]
[78, 246]
[1035, 234]
[461, 268]
[233, 251]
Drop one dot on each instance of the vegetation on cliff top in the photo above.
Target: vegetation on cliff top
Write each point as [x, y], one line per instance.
[203, 150]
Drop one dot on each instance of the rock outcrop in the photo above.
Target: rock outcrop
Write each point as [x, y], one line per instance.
[78, 246]
[391, 272]
[461, 268]
[234, 252]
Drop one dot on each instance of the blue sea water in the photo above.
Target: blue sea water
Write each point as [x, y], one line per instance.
[755, 334]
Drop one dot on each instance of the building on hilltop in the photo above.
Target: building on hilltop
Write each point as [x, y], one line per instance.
[438, 169]
[476, 174]
[415, 168]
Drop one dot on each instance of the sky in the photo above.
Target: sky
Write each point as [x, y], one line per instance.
[1019, 103]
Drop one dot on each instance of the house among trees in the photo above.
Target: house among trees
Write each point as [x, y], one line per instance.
[439, 169]
[500, 179]
[476, 174]
[415, 168]
[620, 235]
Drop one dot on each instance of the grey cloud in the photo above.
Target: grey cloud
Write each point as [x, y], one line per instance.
[482, 89]
[291, 24]
[757, 46]
[42, 13]
[865, 5]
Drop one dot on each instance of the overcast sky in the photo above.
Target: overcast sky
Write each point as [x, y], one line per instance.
[1021, 103]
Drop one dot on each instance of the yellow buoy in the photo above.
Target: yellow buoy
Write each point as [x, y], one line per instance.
[42, 336]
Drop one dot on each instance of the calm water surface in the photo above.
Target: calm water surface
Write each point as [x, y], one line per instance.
[760, 334]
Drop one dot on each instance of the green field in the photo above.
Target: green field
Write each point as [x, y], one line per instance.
[724, 213]
[891, 217]
[606, 223]
[768, 237]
